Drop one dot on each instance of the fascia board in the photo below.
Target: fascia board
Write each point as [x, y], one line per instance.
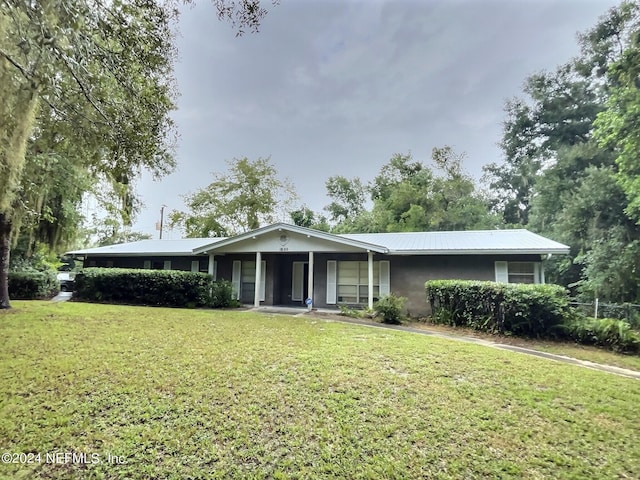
[558, 251]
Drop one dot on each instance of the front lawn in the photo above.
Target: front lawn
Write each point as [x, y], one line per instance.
[170, 393]
[568, 349]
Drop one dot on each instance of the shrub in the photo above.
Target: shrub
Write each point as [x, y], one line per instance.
[151, 287]
[515, 309]
[221, 295]
[390, 307]
[612, 333]
[33, 285]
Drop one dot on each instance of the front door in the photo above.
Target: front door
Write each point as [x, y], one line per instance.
[300, 283]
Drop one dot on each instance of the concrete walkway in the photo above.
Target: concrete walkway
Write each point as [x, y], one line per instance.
[333, 316]
[62, 297]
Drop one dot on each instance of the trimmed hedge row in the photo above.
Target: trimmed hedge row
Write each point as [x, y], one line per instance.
[526, 311]
[171, 288]
[515, 309]
[33, 285]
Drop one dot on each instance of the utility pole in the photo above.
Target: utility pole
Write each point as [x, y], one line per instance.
[161, 219]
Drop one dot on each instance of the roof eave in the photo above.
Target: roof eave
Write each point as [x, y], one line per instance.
[131, 254]
[557, 251]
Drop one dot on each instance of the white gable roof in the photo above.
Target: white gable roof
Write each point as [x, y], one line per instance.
[482, 242]
[466, 242]
[179, 247]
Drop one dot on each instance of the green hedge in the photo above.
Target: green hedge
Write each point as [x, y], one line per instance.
[516, 309]
[172, 288]
[33, 285]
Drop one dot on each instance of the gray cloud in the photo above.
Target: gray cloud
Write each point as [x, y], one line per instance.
[336, 87]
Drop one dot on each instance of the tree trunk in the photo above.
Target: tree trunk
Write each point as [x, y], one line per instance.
[5, 249]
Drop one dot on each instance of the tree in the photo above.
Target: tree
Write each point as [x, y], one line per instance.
[561, 182]
[348, 197]
[108, 231]
[409, 196]
[103, 69]
[618, 127]
[305, 217]
[558, 112]
[248, 196]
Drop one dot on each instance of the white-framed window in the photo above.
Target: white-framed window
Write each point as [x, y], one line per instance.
[195, 266]
[166, 265]
[147, 265]
[519, 272]
[348, 281]
[353, 281]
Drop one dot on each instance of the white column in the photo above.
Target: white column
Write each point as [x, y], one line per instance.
[370, 272]
[256, 296]
[211, 264]
[310, 279]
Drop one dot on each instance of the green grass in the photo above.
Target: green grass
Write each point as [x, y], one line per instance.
[220, 394]
[592, 354]
[574, 350]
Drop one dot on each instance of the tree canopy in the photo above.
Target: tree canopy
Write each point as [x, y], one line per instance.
[410, 196]
[87, 84]
[571, 160]
[246, 196]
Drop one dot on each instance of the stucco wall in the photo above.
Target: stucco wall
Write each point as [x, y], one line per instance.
[409, 273]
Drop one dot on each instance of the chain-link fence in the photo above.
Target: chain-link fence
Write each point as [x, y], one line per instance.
[629, 312]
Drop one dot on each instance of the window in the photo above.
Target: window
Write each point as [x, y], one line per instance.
[147, 264]
[519, 272]
[166, 265]
[353, 282]
[195, 265]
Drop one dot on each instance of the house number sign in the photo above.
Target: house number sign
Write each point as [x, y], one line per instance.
[284, 239]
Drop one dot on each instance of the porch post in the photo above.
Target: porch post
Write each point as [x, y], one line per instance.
[370, 272]
[256, 296]
[211, 264]
[310, 279]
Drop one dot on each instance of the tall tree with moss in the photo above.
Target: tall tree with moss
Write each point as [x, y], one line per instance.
[103, 72]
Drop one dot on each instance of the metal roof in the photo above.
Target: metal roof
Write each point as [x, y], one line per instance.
[465, 242]
[405, 243]
[184, 246]
[287, 227]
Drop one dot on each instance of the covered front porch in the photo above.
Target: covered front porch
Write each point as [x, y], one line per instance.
[300, 279]
[284, 265]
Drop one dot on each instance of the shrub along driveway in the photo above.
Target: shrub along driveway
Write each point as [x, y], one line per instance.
[174, 393]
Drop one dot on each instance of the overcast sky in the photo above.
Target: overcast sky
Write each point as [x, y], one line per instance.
[337, 87]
